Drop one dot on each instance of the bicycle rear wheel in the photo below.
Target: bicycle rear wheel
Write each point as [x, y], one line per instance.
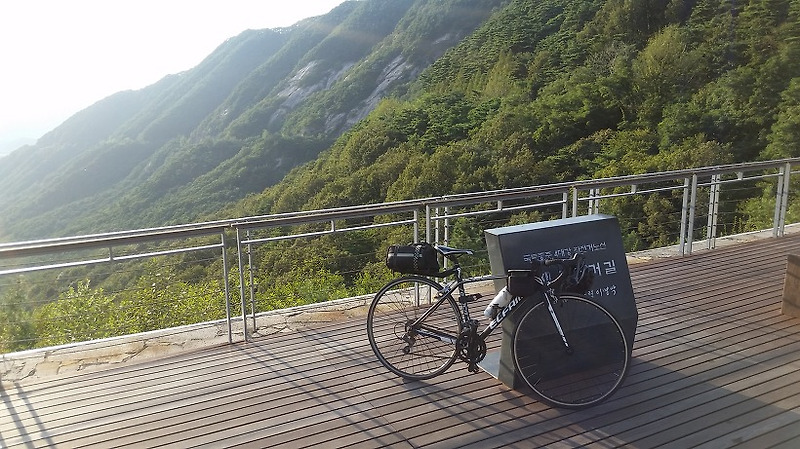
[421, 352]
[590, 371]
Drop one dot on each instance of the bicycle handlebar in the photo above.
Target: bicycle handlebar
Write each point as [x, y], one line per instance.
[577, 258]
[573, 270]
[573, 261]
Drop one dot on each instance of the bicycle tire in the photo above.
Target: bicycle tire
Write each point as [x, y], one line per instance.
[393, 308]
[590, 372]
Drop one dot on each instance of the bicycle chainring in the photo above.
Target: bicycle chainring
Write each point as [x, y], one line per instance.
[471, 348]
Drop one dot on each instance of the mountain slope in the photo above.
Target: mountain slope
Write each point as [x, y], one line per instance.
[98, 147]
[549, 91]
[263, 102]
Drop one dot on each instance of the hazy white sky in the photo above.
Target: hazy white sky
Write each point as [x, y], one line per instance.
[60, 56]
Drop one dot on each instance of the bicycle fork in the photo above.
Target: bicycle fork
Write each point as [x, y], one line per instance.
[548, 298]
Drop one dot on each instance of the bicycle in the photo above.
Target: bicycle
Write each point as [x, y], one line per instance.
[570, 350]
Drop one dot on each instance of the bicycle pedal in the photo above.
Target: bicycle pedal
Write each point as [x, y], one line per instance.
[471, 297]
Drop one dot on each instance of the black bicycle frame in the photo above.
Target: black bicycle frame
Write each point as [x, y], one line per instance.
[448, 290]
[501, 315]
[465, 316]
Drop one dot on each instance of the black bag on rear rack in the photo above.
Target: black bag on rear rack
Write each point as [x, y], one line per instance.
[417, 258]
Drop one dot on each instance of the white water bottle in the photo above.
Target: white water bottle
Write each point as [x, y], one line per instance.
[500, 300]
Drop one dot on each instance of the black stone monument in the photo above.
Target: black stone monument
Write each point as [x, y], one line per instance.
[597, 236]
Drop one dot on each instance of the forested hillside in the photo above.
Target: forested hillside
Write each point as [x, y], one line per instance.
[262, 103]
[555, 90]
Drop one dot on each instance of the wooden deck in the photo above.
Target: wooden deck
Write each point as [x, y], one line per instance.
[715, 365]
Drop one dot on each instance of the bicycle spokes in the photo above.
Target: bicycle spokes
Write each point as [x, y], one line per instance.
[412, 330]
[577, 359]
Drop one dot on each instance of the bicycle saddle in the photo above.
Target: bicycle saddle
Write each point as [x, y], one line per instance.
[447, 251]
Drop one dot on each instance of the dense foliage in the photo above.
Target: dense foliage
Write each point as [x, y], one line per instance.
[556, 90]
[551, 91]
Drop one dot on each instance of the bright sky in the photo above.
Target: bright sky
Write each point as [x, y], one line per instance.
[60, 56]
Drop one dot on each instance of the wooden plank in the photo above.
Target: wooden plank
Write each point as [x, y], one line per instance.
[784, 430]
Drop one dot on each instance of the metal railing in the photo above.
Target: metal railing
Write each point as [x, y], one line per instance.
[686, 190]
[408, 212]
[690, 182]
[112, 250]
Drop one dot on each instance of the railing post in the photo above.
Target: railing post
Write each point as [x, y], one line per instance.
[594, 201]
[436, 225]
[446, 226]
[713, 210]
[252, 280]
[416, 239]
[781, 200]
[787, 182]
[226, 283]
[446, 233]
[564, 202]
[416, 225]
[776, 217]
[575, 193]
[684, 216]
[692, 207]
[241, 283]
[428, 229]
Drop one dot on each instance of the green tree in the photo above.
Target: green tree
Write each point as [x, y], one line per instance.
[17, 328]
[81, 313]
[665, 70]
[306, 284]
[784, 140]
[159, 299]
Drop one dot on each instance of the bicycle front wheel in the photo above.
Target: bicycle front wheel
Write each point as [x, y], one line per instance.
[408, 347]
[582, 372]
